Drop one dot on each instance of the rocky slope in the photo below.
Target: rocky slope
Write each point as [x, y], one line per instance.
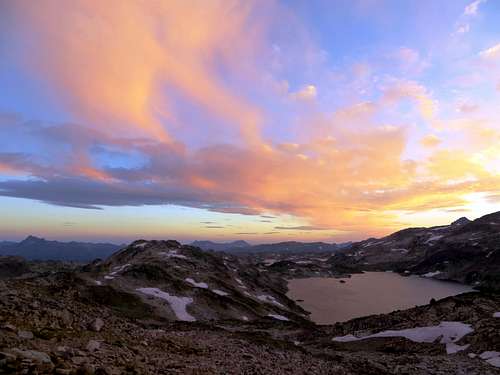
[62, 323]
[182, 282]
[464, 251]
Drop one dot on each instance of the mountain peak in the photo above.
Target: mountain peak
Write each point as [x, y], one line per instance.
[31, 238]
[462, 221]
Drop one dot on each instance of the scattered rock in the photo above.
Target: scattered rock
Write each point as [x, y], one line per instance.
[96, 325]
[25, 335]
[93, 345]
[9, 327]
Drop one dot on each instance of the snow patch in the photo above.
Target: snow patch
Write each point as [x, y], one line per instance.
[404, 251]
[496, 315]
[108, 277]
[220, 292]
[449, 332]
[489, 355]
[270, 299]
[452, 348]
[346, 338]
[269, 261]
[431, 274]
[242, 286]
[493, 358]
[245, 318]
[140, 245]
[495, 361]
[118, 269]
[177, 304]
[278, 317]
[172, 254]
[98, 282]
[195, 284]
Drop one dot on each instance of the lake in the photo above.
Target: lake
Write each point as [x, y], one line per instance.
[331, 301]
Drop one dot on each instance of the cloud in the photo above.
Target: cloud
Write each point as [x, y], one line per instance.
[430, 140]
[493, 198]
[462, 29]
[407, 89]
[467, 107]
[470, 11]
[491, 53]
[472, 8]
[164, 51]
[308, 92]
[301, 227]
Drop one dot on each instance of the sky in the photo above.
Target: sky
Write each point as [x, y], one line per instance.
[257, 120]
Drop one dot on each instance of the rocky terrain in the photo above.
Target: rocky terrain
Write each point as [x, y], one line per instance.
[464, 251]
[158, 307]
[300, 265]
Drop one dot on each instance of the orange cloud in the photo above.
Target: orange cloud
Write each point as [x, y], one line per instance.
[116, 61]
[430, 140]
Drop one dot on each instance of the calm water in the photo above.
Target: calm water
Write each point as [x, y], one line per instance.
[331, 301]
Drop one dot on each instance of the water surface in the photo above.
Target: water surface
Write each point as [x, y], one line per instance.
[331, 301]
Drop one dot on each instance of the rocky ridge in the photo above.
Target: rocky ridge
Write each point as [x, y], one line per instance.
[464, 251]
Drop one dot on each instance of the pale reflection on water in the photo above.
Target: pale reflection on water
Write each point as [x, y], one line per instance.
[331, 301]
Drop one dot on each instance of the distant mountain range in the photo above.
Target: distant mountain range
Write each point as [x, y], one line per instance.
[279, 247]
[222, 246]
[35, 248]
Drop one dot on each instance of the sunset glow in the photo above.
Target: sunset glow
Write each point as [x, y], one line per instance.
[255, 120]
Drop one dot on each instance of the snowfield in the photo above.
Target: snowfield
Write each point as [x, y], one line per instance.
[493, 358]
[449, 332]
[177, 304]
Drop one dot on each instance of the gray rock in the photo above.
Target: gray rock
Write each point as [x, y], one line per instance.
[96, 325]
[33, 355]
[93, 345]
[9, 327]
[25, 335]
[79, 360]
